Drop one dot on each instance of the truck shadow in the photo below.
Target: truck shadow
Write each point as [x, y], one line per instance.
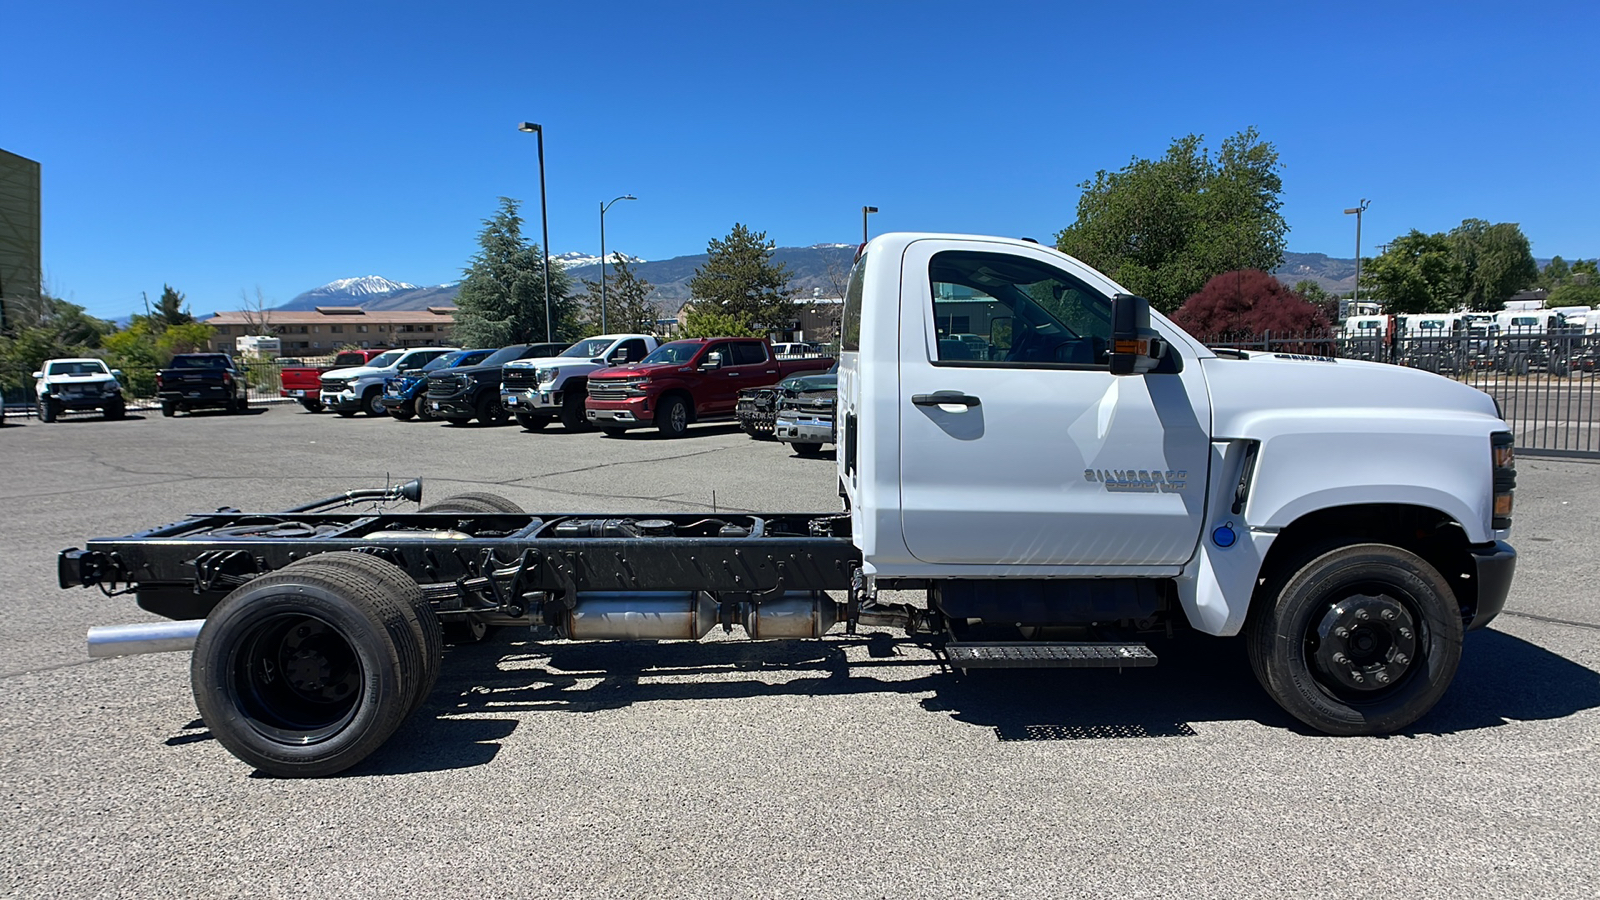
[1502, 679]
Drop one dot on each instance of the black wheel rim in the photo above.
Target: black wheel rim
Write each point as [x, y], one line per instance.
[1366, 643]
[679, 417]
[295, 679]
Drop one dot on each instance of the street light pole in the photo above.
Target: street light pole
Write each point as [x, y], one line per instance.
[1357, 211]
[603, 208]
[544, 222]
[864, 211]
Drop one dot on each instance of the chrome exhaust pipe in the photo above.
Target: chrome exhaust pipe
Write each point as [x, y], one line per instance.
[145, 637]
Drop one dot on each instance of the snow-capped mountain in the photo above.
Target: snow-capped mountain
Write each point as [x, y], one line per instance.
[365, 286]
[573, 259]
[374, 292]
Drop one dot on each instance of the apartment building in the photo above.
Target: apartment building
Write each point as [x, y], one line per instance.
[327, 328]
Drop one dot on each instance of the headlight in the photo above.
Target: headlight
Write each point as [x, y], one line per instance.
[545, 376]
[112, 387]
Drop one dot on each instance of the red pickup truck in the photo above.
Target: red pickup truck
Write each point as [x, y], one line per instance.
[304, 383]
[683, 382]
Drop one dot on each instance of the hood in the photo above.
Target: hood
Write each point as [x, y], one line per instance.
[639, 371]
[1274, 385]
[545, 362]
[822, 381]
[356, 372]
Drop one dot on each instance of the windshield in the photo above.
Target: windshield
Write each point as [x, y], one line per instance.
[451, 360]
[199, 362]
[384, 360]
[676, 352]
[85, 367]
[588, 349]
[504, 355]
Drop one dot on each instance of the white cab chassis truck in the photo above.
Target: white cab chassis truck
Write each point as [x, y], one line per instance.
[538, 391]
[1080, 476]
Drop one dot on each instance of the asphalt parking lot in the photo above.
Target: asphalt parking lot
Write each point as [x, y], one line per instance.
[855, 767]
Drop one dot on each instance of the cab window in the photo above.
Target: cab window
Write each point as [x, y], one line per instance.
[994, 309]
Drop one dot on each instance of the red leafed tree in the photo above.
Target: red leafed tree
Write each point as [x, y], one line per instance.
[1245, 304]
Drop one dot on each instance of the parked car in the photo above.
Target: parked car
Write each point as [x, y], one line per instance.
[202, 381]
[406, 394]
[360, 389]
[473, 392]
[78, 383]
[540, 389]
[805, 411]
[304, 383]
[684, 382]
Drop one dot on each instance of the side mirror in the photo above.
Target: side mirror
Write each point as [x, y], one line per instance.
[713, 361]
[38, 374]
[1135, 346]
[117, 372]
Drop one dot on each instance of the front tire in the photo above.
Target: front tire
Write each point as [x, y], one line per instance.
[672, 420]
[474, 502]
[312, 406]
[372, 402]
[489, 410]
[532, 421]
[573, 412]
[48, 411]
[306, 672]
[420, 404]
[403, 412]
[1364, 639]
[808, 449]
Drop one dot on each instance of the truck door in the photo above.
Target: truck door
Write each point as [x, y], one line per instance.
[1040, 456]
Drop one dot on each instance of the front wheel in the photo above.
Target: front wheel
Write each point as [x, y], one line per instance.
[116, 409]
[420, 404]
[372, 403]
[403, 412]
[489, 410]
[1361, 640]
[808, 449]
[48, 410]
[573, 412]
[532, 421]
[672, 419]
[312, 406]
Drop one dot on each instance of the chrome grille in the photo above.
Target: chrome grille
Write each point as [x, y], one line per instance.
[335, 385]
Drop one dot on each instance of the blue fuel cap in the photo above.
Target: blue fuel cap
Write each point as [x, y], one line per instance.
[1224, 536]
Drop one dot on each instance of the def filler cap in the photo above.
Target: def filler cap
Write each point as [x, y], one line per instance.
[1224, 536]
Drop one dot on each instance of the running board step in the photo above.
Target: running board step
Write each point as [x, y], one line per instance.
[1048, 655]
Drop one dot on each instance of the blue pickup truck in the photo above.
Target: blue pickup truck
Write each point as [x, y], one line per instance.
[406, 395]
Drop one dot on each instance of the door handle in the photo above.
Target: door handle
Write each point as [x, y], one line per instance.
[945, 398]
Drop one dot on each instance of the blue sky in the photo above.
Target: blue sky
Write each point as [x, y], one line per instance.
[223, 147]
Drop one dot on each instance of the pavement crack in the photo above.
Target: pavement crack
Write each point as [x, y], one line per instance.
[1554, 621]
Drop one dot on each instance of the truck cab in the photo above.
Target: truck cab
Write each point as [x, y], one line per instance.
[540, 390]
[1092, 462]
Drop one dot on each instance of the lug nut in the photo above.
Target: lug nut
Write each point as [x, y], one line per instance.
[1402, 659]
[1362, 615]
[1338, 657]
[1405, 633]
[1342, 631]
[1383, 677]
[1356, 676]
[1388, 614]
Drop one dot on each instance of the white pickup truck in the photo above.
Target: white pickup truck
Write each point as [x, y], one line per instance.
[537, 391]
[75, 384]
[360, 388]
[1063, 475]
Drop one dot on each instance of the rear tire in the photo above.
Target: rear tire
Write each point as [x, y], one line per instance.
[474, 502]
[1363, 639]
[532, 421]
[672, 419]
[169, 410]
[305, 672]
[808, 449]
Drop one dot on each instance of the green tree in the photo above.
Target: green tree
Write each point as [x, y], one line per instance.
[741, 282]
[1314, 294]
[1573, 294]
[1164, 227]
[1554, 274]
[1418, 273]
[170, 311]
[1496, 262]
[705, 320]
[628, 307]
[41, 329]
[502, 297]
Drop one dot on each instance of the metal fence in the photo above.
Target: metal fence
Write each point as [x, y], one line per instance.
[1545, 383]
[139, 387]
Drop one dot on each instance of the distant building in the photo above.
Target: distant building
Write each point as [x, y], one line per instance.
[816, 318]
[327, 328]
[20, 258]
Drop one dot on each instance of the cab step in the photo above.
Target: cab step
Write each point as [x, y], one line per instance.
[1047, 655]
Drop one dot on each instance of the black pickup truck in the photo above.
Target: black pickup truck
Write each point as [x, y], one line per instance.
[202, 381]
[465, 393]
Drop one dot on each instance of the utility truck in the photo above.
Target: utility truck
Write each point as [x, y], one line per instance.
[1094, 478]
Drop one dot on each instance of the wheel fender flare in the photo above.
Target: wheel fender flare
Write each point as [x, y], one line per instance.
[1217, 584]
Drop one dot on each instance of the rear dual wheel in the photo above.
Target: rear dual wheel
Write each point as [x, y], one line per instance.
[1364, 639]
[307, 671]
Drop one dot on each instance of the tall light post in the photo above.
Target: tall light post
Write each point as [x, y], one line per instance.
[603, 208]
[544, 222]
[864, 211]
[1357, 211]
